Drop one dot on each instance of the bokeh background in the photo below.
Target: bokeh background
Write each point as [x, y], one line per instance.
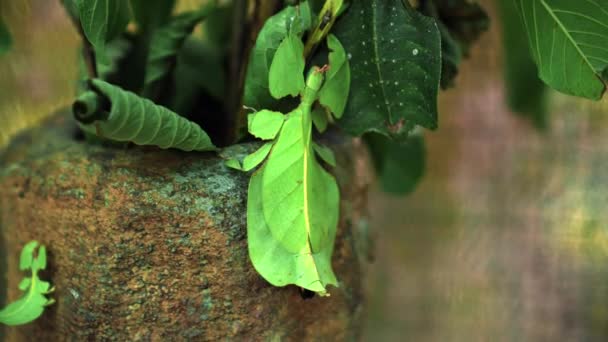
[506, 238]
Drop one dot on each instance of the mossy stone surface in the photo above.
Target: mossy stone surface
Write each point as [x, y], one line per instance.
[151, 245]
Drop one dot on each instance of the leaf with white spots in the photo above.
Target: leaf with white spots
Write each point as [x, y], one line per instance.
[395, 58]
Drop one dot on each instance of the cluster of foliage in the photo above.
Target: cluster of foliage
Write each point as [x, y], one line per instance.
[372, 69]
[31, 305]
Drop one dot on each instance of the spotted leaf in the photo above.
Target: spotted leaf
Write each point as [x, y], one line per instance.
[395, 58]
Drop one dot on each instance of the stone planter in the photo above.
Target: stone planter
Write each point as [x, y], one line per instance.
[151, 245]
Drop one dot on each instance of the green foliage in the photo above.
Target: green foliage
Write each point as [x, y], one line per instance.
[399, 166]
[5, 38]
[395, 52]
[166, 43]
[31, 305]
[526, 93]
[293, 19]
[121, 115]
[460, 23]
[568, 41]
[102, 21]
[151, 14]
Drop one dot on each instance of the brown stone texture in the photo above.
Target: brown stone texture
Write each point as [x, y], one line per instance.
[150, 245]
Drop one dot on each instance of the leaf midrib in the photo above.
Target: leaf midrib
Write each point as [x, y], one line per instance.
[377, 55]
[566, 33]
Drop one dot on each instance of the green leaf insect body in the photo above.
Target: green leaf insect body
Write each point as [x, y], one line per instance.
[31, 305]
[293, 205]
[135, 119]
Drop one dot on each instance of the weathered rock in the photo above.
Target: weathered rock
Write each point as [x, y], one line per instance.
[151, 245]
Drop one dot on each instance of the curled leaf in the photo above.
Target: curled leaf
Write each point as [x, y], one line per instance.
[121, 115]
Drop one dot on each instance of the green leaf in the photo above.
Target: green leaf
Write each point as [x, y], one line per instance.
[568, 41]
[31, 305]
[334, 93]
[319, 119]
[286, 75]
[166, 44]
[257, 157]
[5, 38]
[265, 124]
[395, 55]
[26, 258]
[121, 115]
[399, 166]
[325, 153]
[276, 264]
[102, 21]
[526, 92]
[151, 14]
[295, 19]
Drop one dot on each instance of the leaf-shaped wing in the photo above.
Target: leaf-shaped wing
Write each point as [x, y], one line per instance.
[334, 93]
[139, 120]
[395, 55]
[286, 74]
[265, 124]
[31, 305]
[276, 264]
[300, 197]
[569, 40]
[296, 19]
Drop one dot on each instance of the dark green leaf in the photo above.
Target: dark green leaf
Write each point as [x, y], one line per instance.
[325, 153]
[526, 93]
[165, 45]
[296, 19]
[399, 166]
[334, 93]
[199, 69]
[395, 57]
[151, 14]
[460, 23]
[5, 38]
[568, 41]
[136, 119]
[286, 74]
[31, 305]
[102, 21]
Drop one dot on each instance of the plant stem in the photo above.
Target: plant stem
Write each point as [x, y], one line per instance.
[250, 16]
[88, 53]
[327, 17]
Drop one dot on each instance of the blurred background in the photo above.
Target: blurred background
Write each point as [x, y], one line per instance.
[506, 238]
